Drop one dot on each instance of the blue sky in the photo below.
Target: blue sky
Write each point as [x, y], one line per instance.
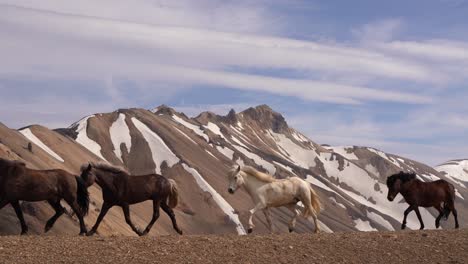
[387, 74]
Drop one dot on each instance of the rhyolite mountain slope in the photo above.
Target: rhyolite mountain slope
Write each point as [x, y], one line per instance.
[198, 152]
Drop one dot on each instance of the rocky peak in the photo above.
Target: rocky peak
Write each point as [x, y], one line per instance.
[164, 110]
[231, 117]
[206, 117]
[267, 118]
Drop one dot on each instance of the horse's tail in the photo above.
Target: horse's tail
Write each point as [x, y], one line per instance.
[173, 198]
[82, 196]
[450, 201]
[315, 204]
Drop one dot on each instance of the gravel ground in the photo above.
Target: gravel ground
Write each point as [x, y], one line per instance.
[384, 247]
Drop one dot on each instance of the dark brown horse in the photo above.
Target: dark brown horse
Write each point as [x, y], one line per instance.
[19, 183]
[438, 194]
[121, 189]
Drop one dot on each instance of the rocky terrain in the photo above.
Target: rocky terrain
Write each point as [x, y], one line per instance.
[198, 152]
[356, 247]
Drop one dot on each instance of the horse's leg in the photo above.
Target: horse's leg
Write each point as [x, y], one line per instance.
[407, 212]
[76, 209]
[105, 208]
[419, 218]
[315, 221]
[168, 210]
[267, 214]
[455, 214]
[126, 211]
[156, 206]
[296, 213]
[19, 214]
[257, 208]
[59, 210]
[441, 214]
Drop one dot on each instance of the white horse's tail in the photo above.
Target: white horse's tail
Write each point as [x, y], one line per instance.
[315, 205]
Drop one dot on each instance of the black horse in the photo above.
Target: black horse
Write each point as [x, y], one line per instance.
[121, 189]
[423, 194]
[19, 183]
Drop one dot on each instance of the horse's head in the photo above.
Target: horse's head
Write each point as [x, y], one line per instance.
[394, 185]
[87, 174]
[235, 179]
[395, 182]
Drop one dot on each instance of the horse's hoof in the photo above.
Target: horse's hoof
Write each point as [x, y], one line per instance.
[90, 233]
[83, 234]
[291, 230]
[250, 230]
[180, 232]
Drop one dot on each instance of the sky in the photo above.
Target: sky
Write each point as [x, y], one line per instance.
[387, 74]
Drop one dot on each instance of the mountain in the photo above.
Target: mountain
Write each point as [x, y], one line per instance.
[198, 152]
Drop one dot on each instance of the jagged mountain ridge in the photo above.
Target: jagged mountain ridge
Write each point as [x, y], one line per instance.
[197, 153]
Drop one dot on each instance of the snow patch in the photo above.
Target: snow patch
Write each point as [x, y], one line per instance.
[238, 142]
[380, 220]
[211, 154]
[159, 150]
[318, 183]
[304, 158]
[31, 137]
[196, 129]
[343, 151]
[457, 171]
[370, 168]
[119, 134]
[226, 152]
[284, 167]
[257, 159]
[364, 226]
[84, 140]
[215, 129]
[223, 204]
[185, 135]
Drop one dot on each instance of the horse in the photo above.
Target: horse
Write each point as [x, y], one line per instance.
[19, 183]
[267, 192]
[423, 194]
[119, 188]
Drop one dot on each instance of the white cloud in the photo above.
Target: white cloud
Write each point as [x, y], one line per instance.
[87, 46]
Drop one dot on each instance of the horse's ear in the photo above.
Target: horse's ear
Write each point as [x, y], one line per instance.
[238, 168]
[89, 167]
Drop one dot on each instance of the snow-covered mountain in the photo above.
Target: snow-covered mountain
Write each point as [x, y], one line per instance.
[198, 152]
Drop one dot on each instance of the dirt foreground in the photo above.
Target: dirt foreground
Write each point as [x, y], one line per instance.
[384, 247]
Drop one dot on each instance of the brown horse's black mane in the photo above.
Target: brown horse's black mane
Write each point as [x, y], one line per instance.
[402, 176]
[106, 167]
[11, 162]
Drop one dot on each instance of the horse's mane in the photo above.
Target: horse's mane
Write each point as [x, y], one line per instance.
[12, 162]
[403, 176]
[106, 167]
[257, 174]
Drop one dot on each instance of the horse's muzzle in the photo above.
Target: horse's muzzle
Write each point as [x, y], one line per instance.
[231, 191]
[391, 198]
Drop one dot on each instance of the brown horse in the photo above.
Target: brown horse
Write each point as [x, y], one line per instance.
[424, 194]
[19, 183]
[121, 189]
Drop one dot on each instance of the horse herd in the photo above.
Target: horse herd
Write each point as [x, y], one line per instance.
[119, 188]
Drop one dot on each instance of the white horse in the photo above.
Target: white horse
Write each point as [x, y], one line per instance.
[267, 192]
